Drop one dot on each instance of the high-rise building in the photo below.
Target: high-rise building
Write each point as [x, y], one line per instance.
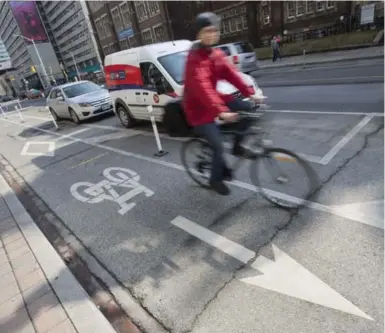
[28, 46]
[69, 28]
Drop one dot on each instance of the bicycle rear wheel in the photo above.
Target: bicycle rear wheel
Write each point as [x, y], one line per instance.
[199, 169]
[279, 187]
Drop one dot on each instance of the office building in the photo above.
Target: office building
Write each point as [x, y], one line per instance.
[69, 29]
[34, 62]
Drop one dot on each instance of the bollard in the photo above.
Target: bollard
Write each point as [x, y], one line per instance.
[154, 127]
[19, 111]
[2, 111]
[53, 119]
[303, 55]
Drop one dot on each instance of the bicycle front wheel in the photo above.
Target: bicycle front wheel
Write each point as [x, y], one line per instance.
[283, 178]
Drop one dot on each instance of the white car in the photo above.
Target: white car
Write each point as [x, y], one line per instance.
[79, 101]
[242, 55]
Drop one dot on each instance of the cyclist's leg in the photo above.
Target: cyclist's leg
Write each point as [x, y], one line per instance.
[212, 134]
[240, 126]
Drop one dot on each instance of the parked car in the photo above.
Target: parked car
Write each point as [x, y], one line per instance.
[242, 55]
[78, 101]
[22, 94]
[34, 93]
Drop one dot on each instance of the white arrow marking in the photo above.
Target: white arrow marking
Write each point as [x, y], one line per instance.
[371, 211]
[288, 277]
[284, 275]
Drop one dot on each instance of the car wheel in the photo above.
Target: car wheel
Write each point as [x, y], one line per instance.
[125, 117]
[74, 117]
[54, 115]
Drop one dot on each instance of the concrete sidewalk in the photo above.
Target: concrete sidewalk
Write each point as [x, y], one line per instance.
[321, 58]
[38, 292]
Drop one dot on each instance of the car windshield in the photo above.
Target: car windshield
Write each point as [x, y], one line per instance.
[80, 89]
[243, 47]
[174, 64]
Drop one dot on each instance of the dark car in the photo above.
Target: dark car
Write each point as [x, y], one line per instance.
[5, 98]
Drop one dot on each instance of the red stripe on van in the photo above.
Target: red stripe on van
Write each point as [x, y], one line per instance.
[117, 75]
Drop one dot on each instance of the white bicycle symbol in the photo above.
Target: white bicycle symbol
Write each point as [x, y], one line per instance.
[115, 177]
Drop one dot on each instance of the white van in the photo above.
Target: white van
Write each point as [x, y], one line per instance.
[130, 79]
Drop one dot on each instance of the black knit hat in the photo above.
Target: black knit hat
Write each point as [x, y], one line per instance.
[206, 19]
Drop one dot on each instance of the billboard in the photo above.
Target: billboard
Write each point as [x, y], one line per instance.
[5, 60]
[28, 20]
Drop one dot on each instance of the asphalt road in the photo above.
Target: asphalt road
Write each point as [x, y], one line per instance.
[363, 71]
[320, 270]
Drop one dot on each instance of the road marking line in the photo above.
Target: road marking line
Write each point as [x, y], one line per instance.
[74, 133]
[89, 160]
[225, 245]
[247, 186]
[283, 274]
[338, 113]
[50, 148]
[329, 80]
[339, 145]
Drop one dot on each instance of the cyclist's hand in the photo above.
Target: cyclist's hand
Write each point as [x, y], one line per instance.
[228, 116]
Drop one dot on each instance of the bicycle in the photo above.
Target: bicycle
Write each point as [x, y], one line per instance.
[260, 152]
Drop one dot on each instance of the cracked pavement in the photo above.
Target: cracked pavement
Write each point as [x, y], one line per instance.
[187, 285]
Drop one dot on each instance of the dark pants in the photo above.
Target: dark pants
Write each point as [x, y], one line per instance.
[211, 132]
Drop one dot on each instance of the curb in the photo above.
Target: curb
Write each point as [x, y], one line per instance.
[71, 295]
[338, 81]
[318, 62]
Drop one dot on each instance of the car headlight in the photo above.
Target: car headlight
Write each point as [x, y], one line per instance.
[85, 104]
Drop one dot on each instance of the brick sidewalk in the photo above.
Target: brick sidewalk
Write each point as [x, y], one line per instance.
[27, 301]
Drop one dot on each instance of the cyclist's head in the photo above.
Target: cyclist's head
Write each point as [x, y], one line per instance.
[208, 28]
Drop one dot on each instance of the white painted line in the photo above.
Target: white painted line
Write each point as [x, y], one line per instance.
[334, 151]
[80, 309]
[246, 186]
[283, 275]
[337, 113]
[74, 133]
[225, 245]
[49, 144]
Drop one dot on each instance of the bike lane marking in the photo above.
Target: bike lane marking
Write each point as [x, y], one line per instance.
[313, 205]
[283, 275]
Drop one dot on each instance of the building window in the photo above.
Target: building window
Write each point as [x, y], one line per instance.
[147, 36]
[300, 8]
[238, 22]
[153, 7]
[126, 14]
[124, 44]
[99, 28]
[105, 50]
[266, 12]
[320, 6]
[141, 10]
[159, 33]
[106, 25]
[244, 22]
[291, 9]
[132, 42]
[117, 19]
[310, 7]
[330, 4]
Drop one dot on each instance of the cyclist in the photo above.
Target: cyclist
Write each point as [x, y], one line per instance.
[202, 104]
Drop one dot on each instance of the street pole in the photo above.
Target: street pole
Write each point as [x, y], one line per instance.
[44, 80]
[45, 75]
[76, 66]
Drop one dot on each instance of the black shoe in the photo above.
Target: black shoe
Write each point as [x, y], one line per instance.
[220, 188]
[227, 174]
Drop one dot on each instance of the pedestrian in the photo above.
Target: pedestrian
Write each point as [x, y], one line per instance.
[279, 42]
[275, 48]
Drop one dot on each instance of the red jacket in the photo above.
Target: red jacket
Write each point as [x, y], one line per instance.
[204, 68]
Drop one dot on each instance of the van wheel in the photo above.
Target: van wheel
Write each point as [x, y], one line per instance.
[125, 117]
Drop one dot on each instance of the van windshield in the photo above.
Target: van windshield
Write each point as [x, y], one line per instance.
[243, 47]
[174, 64]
